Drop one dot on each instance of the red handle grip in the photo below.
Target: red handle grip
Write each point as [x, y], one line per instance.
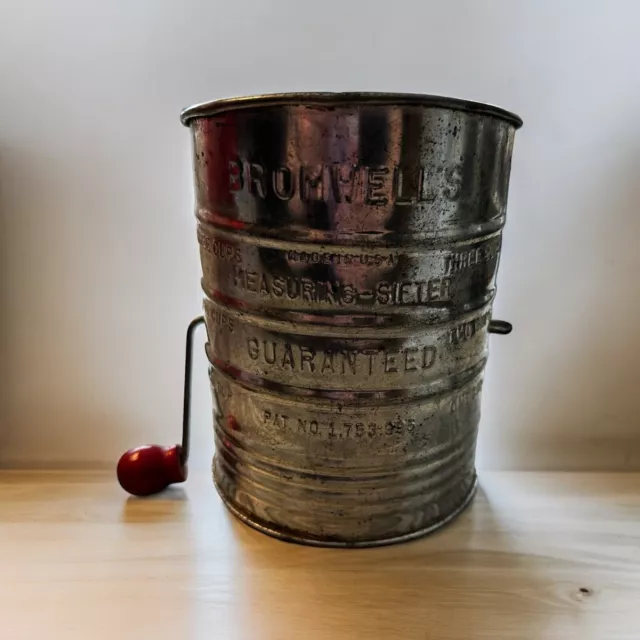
[150, 469]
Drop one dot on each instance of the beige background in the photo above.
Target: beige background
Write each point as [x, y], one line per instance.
[99, 270]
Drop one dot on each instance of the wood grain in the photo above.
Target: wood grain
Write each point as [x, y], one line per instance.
[537, 556]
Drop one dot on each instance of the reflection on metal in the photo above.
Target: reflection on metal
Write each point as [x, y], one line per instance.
[349, 246]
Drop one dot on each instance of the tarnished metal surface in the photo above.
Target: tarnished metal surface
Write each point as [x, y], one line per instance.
[349, 246]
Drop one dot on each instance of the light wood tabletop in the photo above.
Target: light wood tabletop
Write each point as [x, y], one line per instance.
[536, 556]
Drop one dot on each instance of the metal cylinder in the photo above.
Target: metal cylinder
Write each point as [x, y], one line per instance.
[349, 246]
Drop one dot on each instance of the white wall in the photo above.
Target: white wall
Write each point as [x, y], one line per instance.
[99, 268]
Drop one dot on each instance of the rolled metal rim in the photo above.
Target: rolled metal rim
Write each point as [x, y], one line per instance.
[335, 99]
[311, 541]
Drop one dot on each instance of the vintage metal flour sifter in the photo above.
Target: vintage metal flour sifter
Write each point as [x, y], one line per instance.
[349, 246]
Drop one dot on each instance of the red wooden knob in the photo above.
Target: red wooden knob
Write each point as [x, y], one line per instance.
[150, 469]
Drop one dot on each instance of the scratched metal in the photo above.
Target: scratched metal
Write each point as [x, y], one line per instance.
[349, 246]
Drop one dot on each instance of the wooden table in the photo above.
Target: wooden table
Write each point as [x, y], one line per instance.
[537, 556]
